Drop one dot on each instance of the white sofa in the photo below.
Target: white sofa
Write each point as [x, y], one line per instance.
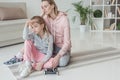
[11, 30]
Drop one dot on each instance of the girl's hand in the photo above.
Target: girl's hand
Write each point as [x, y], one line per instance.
[56, 61]
[39, 66]
[28, 23]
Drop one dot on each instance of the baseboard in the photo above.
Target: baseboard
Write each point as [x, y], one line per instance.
[11, 42]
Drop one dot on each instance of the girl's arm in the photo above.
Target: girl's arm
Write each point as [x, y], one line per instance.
[50, 49]
[48, 54]
[27, 34]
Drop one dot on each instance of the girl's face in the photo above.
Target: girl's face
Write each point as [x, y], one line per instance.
[37, 28]
[47, 8]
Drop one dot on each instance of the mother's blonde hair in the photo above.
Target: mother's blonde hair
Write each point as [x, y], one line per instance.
[52, 2]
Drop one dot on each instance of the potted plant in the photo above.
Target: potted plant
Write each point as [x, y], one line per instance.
[84, 15]
[97, 13]
[118, 26]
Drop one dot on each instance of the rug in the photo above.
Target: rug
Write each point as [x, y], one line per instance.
[33, 76]
[77, 60]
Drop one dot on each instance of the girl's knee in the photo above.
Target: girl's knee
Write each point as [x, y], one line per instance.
[28, 42]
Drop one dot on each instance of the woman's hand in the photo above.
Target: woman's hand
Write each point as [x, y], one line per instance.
[56, 61]
[39, 66]
[43, 12]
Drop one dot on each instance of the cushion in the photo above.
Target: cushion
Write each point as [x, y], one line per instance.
[11, 13]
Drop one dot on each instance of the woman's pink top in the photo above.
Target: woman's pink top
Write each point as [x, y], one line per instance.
[60, 29]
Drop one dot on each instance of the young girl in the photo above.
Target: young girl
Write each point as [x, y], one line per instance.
[38, 46]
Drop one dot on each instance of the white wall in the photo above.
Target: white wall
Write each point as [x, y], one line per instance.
[64, 5]
[33, 7]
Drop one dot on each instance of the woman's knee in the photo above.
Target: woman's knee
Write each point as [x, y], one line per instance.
[63, 64]
[64, 61]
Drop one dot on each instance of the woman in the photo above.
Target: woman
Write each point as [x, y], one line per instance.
[58, 25]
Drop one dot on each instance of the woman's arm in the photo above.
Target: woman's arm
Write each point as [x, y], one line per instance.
[67, 41]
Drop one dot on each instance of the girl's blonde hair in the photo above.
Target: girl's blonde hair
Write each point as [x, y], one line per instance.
[52, 2]
[40, 20]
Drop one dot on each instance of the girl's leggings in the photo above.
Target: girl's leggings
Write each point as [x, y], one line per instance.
[33, 55]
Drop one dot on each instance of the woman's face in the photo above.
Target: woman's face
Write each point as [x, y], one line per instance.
[37, 28]
[47, 8]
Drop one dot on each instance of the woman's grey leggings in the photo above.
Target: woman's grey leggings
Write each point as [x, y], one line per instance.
[64, 60]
